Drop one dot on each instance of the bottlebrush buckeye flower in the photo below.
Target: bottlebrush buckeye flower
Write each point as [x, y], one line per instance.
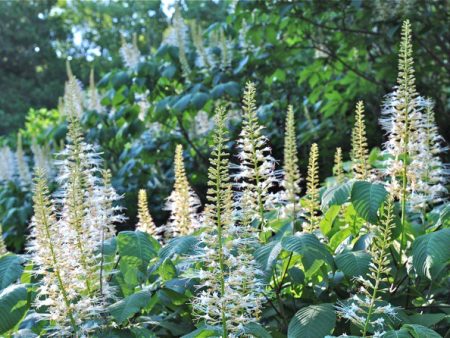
[230, 292]
[182, 203]
[130, 53]
[291, 173]
[145, 220]
[256, 174]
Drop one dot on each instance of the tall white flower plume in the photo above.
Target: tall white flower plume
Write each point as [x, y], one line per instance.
[182, 203]
[130, 53]
[93, 96]
[291, 172]
[230, 293]
[145, 220]
[22, 164]
[73, 96]
[7, 164]
[432, 173]
[256, 175]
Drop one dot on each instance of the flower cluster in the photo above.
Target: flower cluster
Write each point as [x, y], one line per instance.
[432, 173]
[366, 308]
[22, 165]
[67, 234]
[130, 53]
[42, 157]
[291, 172]
[417, 174]
[338, 168]
[182, 203]
[7, 164]
[360, 151]
[145, 220]
[93, 97]
[312, 202]
[231, 293]
[256, 176]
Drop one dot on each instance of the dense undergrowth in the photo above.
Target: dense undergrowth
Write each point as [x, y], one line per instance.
[361, 253]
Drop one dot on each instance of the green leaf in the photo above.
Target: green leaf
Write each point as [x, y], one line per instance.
[431, 252]
[127, 307]
[313, 321]
[426, 319]
[327, 220]
[182, 104]
[267, 254]
[338, 238]
[296, 275]
[367, 198]
[136, 244]
[336, 195]
[353, 263]
[256, 330]
[204, 332]
[199, 100]
[419, 331]
[13, 306]
[402, 333]
[309, 247]
[167, 270]
[179, 245]
[10, 269]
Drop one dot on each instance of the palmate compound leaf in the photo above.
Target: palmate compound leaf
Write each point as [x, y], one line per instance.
[353, 263]
[13, 306]
[267, 254]
[367, 198]
[431, 252]
[313, 321]
[419, 331]
[136, 244]
[128, 306]
[309, 247]
[336, 195]
[10, 269]
[179, 245]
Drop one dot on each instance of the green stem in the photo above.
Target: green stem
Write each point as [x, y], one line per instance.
[220, 239]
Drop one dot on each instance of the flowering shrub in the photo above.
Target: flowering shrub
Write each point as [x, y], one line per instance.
[364, 253]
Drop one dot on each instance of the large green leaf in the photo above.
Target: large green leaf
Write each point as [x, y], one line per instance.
[167, 270]
[179, 245]
[125, 308]
[256, 330]
[431, 252]
[419, 331]
[336, 195]
[136, 244]
[326, 223]
[313, 321]
[309, 247]
[10, 269]
[267, 254]
[204, 332]
[13, 306]
[402, 333]
[353, 263]
[367, 198]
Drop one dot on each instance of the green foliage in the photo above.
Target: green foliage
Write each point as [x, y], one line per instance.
[13, 305]
[430, 253]
[313, 321]
[328, 56]
[367, 198]
[10, 269]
